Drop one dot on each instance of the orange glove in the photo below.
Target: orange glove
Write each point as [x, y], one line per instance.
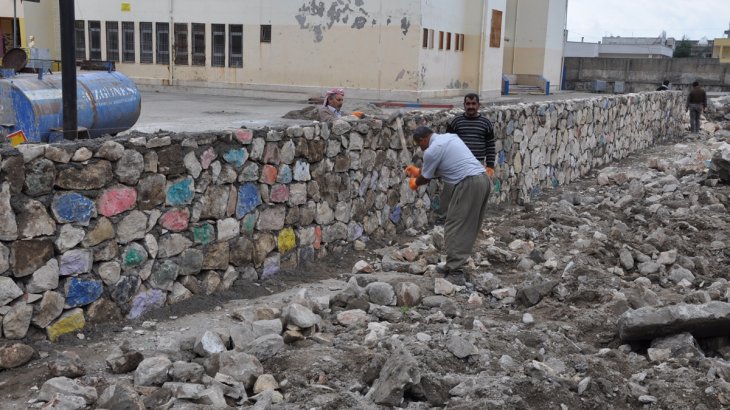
[412, 184]
[490, 172]
[357, 114]
[413, 171]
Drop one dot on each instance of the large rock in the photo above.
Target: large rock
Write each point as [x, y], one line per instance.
[70, 321]
[241, 366]
[9, 290]
[15, 355]
[172, 245]
[152, 371]
[17, 321]
[129, 167]
[67, 364]
[50, 308]
[102, 231]
[8, 224]
[647, 323]
[80, 292]
[91, 176]
[399, 373]
[27, 256]
[39, 177]
[120, 396]
[73, 207]
[33, 220]
[266, 346]
[151, 191]
[66, 387]
[122, 359]
[75, 261]
[4, 258]
[381, 293]
[133, 226]
[301, 316]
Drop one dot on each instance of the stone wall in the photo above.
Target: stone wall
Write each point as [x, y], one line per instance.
[646, 74]
[96, 230]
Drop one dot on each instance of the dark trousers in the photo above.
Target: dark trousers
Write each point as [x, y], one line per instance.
[695, 110]
[466, 211]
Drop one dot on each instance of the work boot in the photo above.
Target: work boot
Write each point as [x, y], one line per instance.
[442, 269]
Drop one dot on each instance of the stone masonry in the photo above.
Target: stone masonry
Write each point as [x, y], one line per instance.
[96, 230]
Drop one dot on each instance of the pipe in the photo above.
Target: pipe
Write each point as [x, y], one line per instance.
[68, 69]
[171, 47]
[480, 78]
[15, 23]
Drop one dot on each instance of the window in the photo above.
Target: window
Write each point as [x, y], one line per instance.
[235, 42]
[127, 42]
[441, 40]
[94, 40]
[218, 38]
[495, 34]
[181, 43]
[457, 39]
[266, 33]
[198, 43]
[112, 41]
[145, 42]
[80, 40]
[425, 38]
[448, 41]
[163, 43]
[430, 38]
[462, 42]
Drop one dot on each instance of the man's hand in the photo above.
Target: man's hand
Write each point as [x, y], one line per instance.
[490, 172]
[413, 171]
[412, 184]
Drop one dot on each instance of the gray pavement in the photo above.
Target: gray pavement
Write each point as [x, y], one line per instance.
[191, 112]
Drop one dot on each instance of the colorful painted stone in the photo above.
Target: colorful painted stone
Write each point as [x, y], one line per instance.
[244, 136]
[134, 255]
[117, 200]
[395, 215]
[75, 261]
[236, 157]
[203, 234]
[285, 174]
[248, 223]
[146, 301]
[176, 220]
[73, 207]
[279, 193]
[272, 266]
[180, 192]
[286, 241]
[248, 199]
[317, 237]
[268, 174]
[207, 157]
[69, 322]
[82, 292]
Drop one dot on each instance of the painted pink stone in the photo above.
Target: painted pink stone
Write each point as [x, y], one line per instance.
[244, 136]
[268, 174]
[175, 220]
[317, 237]
[117, 200]
[279, 193]
[207, 157]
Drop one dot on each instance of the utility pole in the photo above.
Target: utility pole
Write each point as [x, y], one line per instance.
[15, 23]
[68, 69]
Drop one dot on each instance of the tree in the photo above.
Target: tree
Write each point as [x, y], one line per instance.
[683, 48]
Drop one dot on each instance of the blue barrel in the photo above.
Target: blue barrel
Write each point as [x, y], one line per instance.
[108, 103]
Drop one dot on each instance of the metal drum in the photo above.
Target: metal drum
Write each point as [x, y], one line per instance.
[108, 103]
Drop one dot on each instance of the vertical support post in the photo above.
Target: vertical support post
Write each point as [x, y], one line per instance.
[15, 23]
[68, 69]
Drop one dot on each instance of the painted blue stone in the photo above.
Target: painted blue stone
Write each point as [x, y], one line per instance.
[285, 174]
[362, 189]
[272, 266]
[181, 192]
[82, 292]
[395, 215]
[510, 127]
[436, 203]
[374, 180]
[73, 207]
[236, 157]
[248, 199]
[354, 231]
[501, 157]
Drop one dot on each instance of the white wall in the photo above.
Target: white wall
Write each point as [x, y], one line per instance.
[493, 57]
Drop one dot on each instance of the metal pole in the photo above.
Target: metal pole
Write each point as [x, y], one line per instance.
[15, 23]
[68, 69]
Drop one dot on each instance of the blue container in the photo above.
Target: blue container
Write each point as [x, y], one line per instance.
[108, 103]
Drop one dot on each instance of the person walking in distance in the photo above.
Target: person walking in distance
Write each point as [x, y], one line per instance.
[447, 157]
[478, 134]
[696, 104]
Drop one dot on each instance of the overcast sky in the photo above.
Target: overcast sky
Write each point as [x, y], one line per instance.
[593, 19]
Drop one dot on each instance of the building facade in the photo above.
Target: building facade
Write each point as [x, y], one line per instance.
[377, 49]
[11, 14]
[622, 47]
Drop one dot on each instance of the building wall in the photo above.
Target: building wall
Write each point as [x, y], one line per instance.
[46, 30]
[721, 50]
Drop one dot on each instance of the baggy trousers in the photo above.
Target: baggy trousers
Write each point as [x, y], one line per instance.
[466, 211]
[695, 110]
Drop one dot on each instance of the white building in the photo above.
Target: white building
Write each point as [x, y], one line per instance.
[623, 47]
[379, 49]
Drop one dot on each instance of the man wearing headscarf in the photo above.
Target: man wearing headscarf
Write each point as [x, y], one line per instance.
[330, 110]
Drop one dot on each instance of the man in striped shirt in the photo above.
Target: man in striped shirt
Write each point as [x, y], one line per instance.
[477, 133]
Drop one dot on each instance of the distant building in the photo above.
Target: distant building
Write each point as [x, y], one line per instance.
[623, 47]
[721, 48]
[7, 16]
